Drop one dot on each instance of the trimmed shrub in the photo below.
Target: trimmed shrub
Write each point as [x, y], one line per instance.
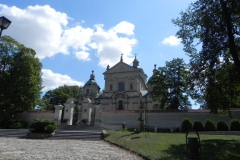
[42, 126]
[186, 125]
[209, 125]
[50, 128]
[235, 125]
[198, 126]
[222, 126]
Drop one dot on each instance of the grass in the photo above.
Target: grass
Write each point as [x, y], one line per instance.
[172, 146]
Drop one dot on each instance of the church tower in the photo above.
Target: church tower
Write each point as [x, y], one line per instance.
[91, 88]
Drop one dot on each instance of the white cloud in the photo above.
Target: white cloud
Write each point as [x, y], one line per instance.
[110, 46]
[46, 31]
[53, 80]
[124, 27]
[82, 55]
[172, 41]
[37, 27]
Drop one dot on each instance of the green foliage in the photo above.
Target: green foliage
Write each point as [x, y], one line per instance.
[198, 126]
[222, 126]
[186, 125]
[169, 85]
[210, 34]
[235, 125]
[209, 125]
[20, 77]
[60, 96]
[13, 124]
[50, 128]
[43, 126]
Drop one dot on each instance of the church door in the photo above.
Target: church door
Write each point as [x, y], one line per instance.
[120, 105]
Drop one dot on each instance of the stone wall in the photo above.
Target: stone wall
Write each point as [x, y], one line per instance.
[113, 120]
[30, 115]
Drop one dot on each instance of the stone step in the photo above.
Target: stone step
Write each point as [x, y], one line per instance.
[13, 132]
[96, 138]
[82, 132]
[78, 134]
[79, 127]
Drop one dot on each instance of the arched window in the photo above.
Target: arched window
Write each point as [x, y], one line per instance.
[120, 105]
[111, 87]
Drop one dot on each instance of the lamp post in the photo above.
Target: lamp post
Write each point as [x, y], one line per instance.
[4, 23]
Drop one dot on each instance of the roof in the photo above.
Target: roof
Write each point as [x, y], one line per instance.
[91, 82]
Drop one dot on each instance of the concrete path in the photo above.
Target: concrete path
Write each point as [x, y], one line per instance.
[29, 149]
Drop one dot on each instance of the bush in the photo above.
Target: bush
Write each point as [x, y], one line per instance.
[209, 125]
[186, 125]
[43, 126]
[235, 125]
[222, 126]
[13, 124]
[50, 128]
[198, 126]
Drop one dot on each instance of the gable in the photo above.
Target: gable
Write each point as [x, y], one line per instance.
[120, 68]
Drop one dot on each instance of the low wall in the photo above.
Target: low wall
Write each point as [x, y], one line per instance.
[162, 119]
[28, 116]
[112, 120]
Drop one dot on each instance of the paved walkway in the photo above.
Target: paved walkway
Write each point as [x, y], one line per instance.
[29, 149]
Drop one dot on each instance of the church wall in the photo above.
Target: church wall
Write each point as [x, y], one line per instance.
[28, 116]
[112, 120]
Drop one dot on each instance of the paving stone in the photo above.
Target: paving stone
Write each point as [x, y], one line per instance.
[30, 149]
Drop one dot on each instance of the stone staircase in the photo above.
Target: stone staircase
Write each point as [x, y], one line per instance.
[21, 133]
[83, 132]
[78, 132]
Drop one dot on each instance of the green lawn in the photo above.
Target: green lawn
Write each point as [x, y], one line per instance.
[172, 146]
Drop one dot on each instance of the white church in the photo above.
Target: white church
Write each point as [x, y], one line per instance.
[126, 87]
[126, 100]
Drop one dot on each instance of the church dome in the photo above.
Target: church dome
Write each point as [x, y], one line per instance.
[140, 70]
[136, 65]
[91, 81]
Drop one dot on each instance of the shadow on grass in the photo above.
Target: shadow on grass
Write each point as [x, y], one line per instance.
[216, 149]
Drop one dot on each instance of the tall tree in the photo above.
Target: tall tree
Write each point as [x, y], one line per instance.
[60, 96]
[20, 77]
[210, 33]
[213, 26]
[169, 85]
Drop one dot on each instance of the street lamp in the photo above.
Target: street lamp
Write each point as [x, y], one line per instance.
[4, 23]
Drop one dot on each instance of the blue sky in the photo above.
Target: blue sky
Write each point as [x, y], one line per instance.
[72, 38]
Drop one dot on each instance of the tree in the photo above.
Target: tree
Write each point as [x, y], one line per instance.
[60, 96]
[223, 90]
[169, 85]
[213, 26]
[210, 33]
[20, 77]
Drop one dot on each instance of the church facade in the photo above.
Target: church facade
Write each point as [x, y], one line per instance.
[126, 88]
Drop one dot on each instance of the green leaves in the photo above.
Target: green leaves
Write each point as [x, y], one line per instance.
[20, 77]
[60, 95]
[210, 33]
[169, 85]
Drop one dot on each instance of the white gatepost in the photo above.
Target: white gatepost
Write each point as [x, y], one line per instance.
[86, 110]
[68, 111]
[58, 113]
